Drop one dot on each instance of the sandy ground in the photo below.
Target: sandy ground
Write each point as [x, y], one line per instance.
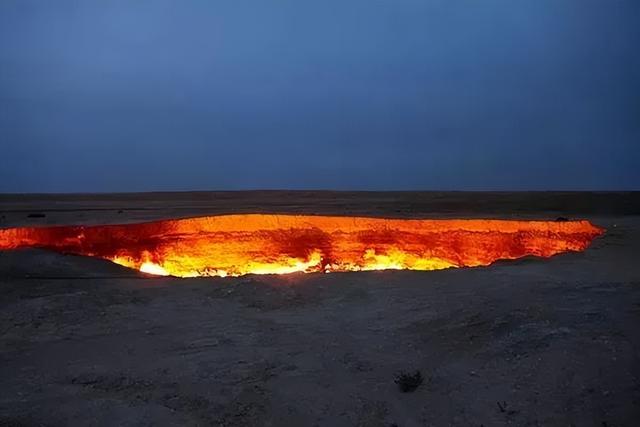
[524, 343]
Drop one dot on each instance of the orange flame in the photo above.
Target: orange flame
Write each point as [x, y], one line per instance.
[233, 245]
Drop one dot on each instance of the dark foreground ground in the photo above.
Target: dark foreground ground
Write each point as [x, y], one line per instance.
[525, 343]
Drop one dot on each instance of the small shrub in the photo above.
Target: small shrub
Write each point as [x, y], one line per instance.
[409, 382]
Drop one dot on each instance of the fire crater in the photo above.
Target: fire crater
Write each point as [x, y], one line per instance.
[234, 245]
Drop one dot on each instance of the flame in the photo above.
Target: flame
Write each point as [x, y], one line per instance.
[233, 245]
[150, 268]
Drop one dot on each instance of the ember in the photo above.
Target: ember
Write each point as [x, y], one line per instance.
[233, 245]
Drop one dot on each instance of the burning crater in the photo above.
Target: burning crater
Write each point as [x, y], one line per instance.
[233, 245]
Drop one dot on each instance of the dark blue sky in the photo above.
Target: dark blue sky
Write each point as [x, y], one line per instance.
[337, 94]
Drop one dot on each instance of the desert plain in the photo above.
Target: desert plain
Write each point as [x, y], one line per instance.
[529, 342]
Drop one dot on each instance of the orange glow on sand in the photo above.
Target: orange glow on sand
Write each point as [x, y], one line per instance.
[233, 245]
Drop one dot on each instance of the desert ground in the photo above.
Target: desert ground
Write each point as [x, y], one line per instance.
[531, 342]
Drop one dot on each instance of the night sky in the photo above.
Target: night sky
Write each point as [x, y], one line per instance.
[331, 94]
